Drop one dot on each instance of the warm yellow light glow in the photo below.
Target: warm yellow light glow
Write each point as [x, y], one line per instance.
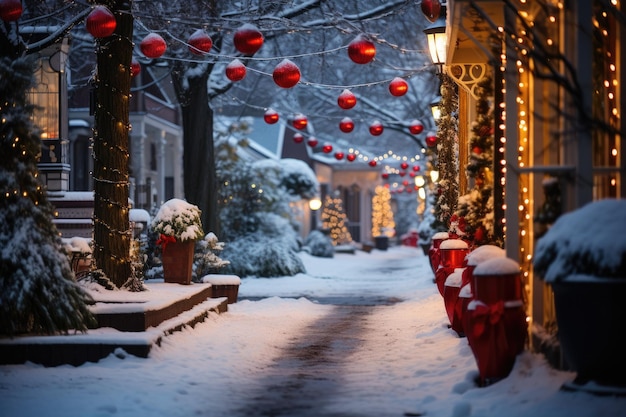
[419, 180]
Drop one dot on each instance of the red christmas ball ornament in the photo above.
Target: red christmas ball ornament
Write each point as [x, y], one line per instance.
[11, 10]
[385, 175]
[298, 138]
[416, 168]
[376, 128]
[270, 116]
[361, 50]
[404, 165]
[100, 22]
[431, 139]
[405, 183]
[416, 127]
[398, 87]
[327, 148]
[248, 39]
[402, 173]
[412, 174]
[431, 9]
[346, 125]
[153, 45]
[346, 99]
[300, 121]
[312, 142]
[408, 190]
[286, 74]
[351, 157]
[372, 163]
[135, 67]
[235, 70]
[200, 42]
[339, 156]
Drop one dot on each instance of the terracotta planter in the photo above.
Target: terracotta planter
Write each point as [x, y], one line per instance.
[590, 314]
[177, 261]
[381, 242]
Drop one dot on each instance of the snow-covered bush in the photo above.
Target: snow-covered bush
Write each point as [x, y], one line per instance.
[319, 244]
[179, 219]
[206, 261]
[587, 241]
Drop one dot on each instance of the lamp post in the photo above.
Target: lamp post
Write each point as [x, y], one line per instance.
[438, 40]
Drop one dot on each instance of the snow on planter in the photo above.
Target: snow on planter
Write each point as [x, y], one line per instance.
[454, 244]
[484, 253]
[441, 235]
[455, 279]
[497, 266]
[586, 241]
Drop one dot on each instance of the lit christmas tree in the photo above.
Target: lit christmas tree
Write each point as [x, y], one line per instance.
[382, 215]
[334, 220]
[38, 293]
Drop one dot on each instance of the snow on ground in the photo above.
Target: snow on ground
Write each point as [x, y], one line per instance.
[409, 364]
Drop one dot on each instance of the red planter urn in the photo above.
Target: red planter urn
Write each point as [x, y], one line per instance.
[177, 261]
[451, 299]
[478, 255]
[497, 279]
[465, 298]
[452, 254]
[433, 253]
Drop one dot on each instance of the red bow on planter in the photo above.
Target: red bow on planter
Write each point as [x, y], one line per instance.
[484, 314]
[163, 240]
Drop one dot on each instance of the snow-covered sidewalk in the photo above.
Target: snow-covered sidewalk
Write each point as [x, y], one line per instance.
[410, 363]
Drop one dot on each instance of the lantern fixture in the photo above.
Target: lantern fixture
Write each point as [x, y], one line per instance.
[438, 40]
[435, 108]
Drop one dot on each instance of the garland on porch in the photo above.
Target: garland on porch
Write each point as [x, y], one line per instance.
[474, 217]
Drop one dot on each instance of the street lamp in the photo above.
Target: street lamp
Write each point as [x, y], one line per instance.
[437, 40]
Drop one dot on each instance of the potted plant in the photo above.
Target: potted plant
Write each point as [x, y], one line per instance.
[583, 258]
[178, 225]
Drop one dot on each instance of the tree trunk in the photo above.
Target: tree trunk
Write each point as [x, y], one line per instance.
[112, 233]
[198, 148]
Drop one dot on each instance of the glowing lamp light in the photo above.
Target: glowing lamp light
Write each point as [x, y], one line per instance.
[346, 99]
[315, 203]
[236, 71]
[435, 108]
[437, 40]
[312, 142]
[135, 67]
[298, 138]
[419, 180]
[376, 128]
[10, 10]
[346, 125]
[248, 39]
[361, 50]
[270, 116]
[100, 22]
[351, 157]
[200, 42]
[339, 156]
[153, 46]
[327, 148]
[434, 175]
[286, 74]
[431, 139]
[416, 127]
[300, 121]
[398, 87]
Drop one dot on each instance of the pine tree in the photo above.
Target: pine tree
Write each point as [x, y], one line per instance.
[382, 215]
[38, 293]
[334, 220]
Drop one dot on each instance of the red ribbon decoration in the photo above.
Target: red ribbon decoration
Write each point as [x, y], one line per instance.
[484, 314]
[163, 240]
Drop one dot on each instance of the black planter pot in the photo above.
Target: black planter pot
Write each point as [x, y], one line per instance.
[381, 242]
[591, 314]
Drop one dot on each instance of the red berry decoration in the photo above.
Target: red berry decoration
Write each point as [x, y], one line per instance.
[327, 148]
[477, 150]
[100, 23]
[346, 125]
[135, 67]
[312, 142]
[385, 175]
[270, 116]
[404, 165]
[10, 10]
[351, 157]
[200, 42]
[153, 46]
[339, 156]
[248, 39]
[416, 127]
[431, 9]
[372, 163]
[431, 139]
[235, 70]
[300, 121]
[346, 99]
[286, 74]
[361, 50]
[398, 87]
[376, 128]
[298, 138]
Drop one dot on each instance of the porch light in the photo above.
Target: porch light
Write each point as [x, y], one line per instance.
[315, 203]
[437, 40]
